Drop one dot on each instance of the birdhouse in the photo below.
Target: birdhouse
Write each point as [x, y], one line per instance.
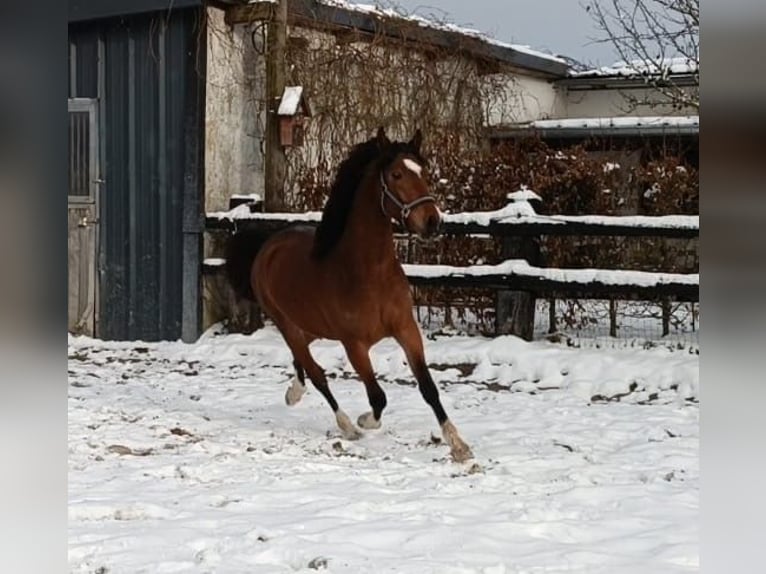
[293, 110]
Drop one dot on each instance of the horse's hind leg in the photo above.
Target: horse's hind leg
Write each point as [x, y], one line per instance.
[359, 355]
[298, 343]
[298, 387]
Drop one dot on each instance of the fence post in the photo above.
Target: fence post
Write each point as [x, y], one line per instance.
[665, 317]
[552, 316]
[515, 310]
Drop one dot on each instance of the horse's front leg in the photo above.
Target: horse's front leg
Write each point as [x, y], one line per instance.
[359, 355]
[411, 341]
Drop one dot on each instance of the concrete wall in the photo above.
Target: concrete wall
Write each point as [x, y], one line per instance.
[617, 102]
[234, 117]
[522, 99]
[527, 98]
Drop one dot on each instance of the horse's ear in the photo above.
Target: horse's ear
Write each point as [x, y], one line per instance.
[417, 140]
[383, 141]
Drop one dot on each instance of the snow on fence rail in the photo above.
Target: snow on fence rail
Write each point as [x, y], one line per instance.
[501, 222]
[546, 282]
[517, 280]
[549, 282]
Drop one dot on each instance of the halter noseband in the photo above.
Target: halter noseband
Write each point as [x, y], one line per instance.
[404, 208]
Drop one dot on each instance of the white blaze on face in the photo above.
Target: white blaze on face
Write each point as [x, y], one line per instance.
[413, 166]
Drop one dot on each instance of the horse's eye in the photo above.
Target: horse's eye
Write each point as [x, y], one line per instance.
[396, 174]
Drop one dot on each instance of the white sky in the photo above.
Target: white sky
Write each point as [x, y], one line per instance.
[557, 26]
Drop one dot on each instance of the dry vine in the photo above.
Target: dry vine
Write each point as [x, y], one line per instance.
[357, 82]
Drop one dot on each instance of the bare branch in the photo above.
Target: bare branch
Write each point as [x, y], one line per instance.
[655, 38]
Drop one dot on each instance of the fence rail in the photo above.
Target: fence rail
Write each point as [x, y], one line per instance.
[517, 280]
[494, 223]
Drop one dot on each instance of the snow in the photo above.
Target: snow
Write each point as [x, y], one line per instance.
[524, 194]
[242, 212]
[254, 197]
[184, 458]
[291, 99]
[519, 267]
[617, 122]
[517, 209]
[444, 26]
[677, 65]
[518, 212]
[652, 191]
[645, 221]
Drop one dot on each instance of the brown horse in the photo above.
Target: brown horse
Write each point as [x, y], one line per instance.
[343, 282]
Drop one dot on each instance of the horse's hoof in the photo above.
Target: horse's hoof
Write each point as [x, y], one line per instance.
[461, 453]
[368, 421]
[352, 434]
[294, 392]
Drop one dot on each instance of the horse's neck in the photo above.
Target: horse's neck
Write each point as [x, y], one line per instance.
[369, 239]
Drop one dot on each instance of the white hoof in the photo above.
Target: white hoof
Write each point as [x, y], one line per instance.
[368, 421]
[294, 392]
[460, 451]
[353, 434]
[350, 432]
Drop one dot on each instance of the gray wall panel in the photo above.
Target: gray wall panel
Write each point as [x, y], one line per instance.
[152, 129]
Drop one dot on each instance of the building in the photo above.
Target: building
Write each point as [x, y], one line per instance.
[168, 120]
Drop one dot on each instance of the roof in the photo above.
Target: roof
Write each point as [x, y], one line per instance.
[292, 101]
[680, 71]
[615, 126]
[444, 26]
[371, 19]
[641, 68]
[82, 10]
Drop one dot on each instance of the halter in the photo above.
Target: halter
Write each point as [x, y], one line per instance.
[404, 208]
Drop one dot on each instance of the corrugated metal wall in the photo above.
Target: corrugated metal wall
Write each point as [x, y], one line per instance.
[147, 72]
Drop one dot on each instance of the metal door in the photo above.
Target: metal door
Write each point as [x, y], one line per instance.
[84, 184]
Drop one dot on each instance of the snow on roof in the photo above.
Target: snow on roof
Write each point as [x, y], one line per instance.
[664, 66]
[291, 100]
[444, 26]
[616, 122]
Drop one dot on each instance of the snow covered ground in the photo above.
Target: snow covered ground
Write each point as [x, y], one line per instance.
[184, 458]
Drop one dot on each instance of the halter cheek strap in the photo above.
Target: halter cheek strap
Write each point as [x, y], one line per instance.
[404, 208]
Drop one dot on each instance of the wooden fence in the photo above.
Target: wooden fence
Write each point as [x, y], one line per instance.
[519, 280]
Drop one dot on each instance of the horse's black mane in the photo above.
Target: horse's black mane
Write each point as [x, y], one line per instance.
[348, 179]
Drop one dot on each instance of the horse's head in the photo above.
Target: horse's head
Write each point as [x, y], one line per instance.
[405, 193]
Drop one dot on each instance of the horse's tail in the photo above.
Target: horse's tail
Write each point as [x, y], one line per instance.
[241, 249]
